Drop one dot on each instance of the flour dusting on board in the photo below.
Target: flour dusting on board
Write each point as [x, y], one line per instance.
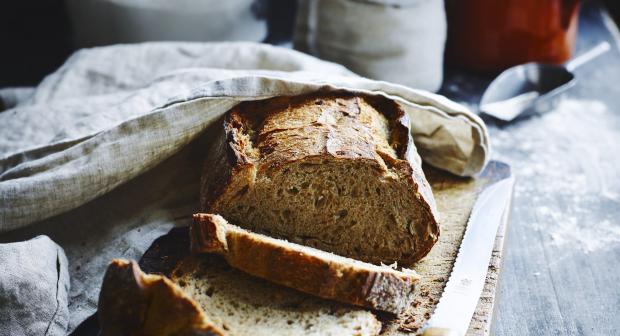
[580, 188]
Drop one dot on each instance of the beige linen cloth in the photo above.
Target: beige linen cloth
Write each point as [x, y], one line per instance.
[105, 155]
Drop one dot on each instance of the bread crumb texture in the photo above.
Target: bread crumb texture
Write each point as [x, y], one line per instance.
[244, 305]
[338, 172]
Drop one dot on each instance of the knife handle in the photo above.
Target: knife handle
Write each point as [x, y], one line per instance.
[436, 331]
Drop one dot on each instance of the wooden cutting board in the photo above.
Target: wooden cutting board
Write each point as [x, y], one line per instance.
[455, 197]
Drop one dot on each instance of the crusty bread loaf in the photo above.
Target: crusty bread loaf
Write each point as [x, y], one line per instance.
[244, 305]
[334, 171]
[138, 304]
[304, 268]
[207, 297]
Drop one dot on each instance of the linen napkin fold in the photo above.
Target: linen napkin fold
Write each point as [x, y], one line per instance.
[94, 129]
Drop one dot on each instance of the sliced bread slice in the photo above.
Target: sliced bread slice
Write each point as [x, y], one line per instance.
[304, 268]
[244, 305]
[335, 171]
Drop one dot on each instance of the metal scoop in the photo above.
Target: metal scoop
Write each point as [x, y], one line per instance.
[532, 87]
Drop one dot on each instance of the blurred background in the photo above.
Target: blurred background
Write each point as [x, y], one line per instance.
[38, 35]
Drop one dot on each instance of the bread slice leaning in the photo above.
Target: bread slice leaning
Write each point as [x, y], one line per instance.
[134, 303]
[303, 268]
[335, 171]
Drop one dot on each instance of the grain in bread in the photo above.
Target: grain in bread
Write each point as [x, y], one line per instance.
[244, 305]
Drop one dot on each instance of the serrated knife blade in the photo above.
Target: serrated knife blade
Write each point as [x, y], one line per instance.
[464, 287]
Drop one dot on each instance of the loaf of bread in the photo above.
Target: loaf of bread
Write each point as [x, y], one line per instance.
[304, 268]
[334, 171]
[205, 296]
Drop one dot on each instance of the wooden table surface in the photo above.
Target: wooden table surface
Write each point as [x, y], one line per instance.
[561, 272]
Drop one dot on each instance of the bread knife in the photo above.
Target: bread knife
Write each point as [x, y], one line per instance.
[456, 306]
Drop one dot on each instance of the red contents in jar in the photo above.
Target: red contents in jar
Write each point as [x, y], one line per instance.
[492, 35]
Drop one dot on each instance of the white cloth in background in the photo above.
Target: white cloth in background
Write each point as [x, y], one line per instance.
[400, 41]
[10, 97]
[105, 156]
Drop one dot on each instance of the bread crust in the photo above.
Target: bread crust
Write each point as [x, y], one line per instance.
[246, 148]
[305, 269]
[134, 303]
